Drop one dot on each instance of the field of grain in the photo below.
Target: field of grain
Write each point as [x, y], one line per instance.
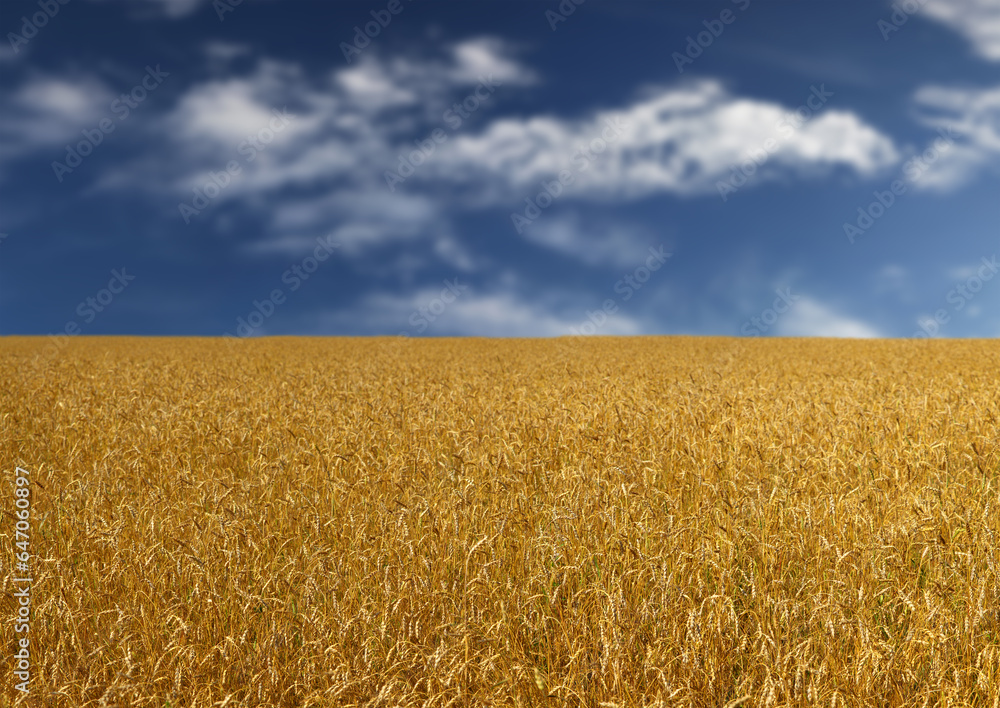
[593, 522]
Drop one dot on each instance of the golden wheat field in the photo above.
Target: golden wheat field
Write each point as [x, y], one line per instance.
[566, 522]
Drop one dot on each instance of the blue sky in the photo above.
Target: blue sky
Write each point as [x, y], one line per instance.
[267, 167]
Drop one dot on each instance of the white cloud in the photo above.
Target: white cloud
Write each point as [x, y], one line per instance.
[958, 273]
[350, 126]
[215, 122]
[972, 118]
[973, 113]
[808, 317]
[594, 243]
[896, 280]
[172, 9]
[365, 218]
[346, 129]
[375, 86]
[221, 51]
[223, 111]
[678, 140]
[500, 314]
[64, 100]
[893, 275]
[451, 251]
[219, 114]
[977, 20]
[177, 8]
[47, 112]
[341, 124]
[983, 269]
[482, 56]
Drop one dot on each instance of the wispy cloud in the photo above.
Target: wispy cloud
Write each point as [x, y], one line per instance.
[813, 318]
[604, 241]
[677, 140]
[977, 20]
[972, 118]
[493, 314]
[46, 111]
[154, 9]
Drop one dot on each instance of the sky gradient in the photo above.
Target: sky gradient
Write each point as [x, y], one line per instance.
[409, 167]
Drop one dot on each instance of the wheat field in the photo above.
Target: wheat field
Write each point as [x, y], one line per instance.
[567, 522]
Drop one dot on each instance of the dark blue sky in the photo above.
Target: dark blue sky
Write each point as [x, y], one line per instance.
[746, 167]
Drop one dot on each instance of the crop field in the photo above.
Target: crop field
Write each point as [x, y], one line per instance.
[445, 522]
